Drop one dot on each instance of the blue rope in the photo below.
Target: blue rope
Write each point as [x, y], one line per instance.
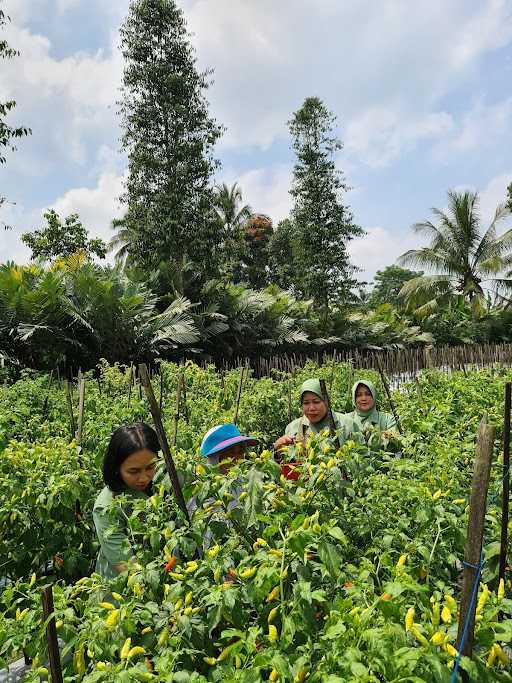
[474, 591]
[478, 568]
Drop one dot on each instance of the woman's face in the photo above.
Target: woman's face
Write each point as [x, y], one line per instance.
[313, 407]
[364, 398]
[229, 456]
[138, 470]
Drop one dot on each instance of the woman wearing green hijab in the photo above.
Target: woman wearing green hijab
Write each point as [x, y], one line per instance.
[365, 414]
[314, 418]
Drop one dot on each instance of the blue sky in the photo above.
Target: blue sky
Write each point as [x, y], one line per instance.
[422, 92]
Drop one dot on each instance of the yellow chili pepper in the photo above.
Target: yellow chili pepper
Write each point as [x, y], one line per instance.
[107, 605]
[101, 666]
[135, 651]
[446, 615]
[501, 590]
[450, 650]
[437, 638]
[300, 676]
[273, 635]
[117, 596]
[126, 648]
[320, 478]
[32, 580]
[450, 603]
[79, 661]
[200, 470]
[187, 611]
[409, 619]
[401, 561]
[112, 619]
[484, 596]
[238, 662]
[242, 496]
[177, 577]
[501, 655]
[492, 656]
[419, 636]
[148, 629]
[163, 637]
[274, 675]
[275, 552]
[213, 551]
[272, 614]
[248, 573]
[192, 567]
[274, 594]
[178, 604]
[210, 660]
[436, 613]
[225, 652]
[459, 501]
[437, 494]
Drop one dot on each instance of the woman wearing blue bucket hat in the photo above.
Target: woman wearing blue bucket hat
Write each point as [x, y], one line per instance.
[223, 445]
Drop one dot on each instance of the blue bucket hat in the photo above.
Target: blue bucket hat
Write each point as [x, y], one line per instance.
[221, 437]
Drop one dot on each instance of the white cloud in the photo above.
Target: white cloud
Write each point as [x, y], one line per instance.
[356, 55]
[264, 189]
[491, 196]
[96, 206]
[380, 135]
[480, 127]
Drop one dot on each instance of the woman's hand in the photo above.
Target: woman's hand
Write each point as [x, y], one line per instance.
[284, 441]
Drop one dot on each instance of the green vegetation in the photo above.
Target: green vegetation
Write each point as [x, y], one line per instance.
[317, 579]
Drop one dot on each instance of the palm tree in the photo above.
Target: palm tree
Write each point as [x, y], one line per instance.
[465, 262]
[123, 241]
[231, 216]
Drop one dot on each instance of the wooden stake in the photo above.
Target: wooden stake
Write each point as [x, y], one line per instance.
[289, 401]
[162, 437]
[161, 403]
[176, 417]
[388, 394]
[238, 395]
[506, 482]
[46, 400]
[70, 409]
[51, 635]
[81, 407]
[474, 538]
[131, 381]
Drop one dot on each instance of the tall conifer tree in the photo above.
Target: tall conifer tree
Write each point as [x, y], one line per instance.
[169, 137]
[322, 223]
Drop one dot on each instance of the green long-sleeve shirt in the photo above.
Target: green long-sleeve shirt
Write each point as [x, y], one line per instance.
[112, 533]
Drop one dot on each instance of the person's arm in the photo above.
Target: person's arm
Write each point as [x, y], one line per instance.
[288, 437]
[112, 538]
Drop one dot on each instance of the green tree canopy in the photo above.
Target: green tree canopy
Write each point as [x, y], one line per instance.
[464, 262]
[169, 138]
[388, 283]
[8, 133]
[60, 239]
[323, 225]
[510, 196]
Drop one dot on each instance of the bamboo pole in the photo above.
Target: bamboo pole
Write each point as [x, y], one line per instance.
[131, 380]
[162, 437]
[474, 538]
[506, 482]
[51, 635]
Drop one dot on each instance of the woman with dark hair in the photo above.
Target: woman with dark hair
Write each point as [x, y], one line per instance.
[129, 467]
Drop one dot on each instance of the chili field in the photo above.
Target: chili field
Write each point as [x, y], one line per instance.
[349, 573]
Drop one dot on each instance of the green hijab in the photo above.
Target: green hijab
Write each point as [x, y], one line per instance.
[365, 414]
[312, 385]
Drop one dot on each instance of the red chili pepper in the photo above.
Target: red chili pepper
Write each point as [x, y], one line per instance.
[171, 563]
